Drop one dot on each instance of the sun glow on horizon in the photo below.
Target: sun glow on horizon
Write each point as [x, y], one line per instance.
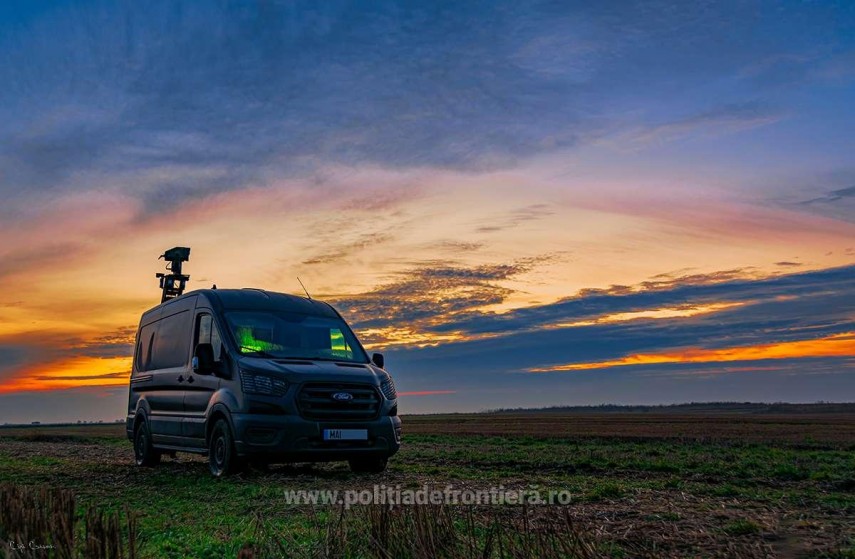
[839, 345]
[73, 372]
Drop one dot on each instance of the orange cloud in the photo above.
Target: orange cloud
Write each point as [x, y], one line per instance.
[73, 372]
[684, 311]
[839, 345]
[373, 338]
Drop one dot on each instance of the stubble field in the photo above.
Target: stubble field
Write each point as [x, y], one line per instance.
[640, 485]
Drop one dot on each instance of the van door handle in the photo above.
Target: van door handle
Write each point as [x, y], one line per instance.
[190, 380]
[180, 378]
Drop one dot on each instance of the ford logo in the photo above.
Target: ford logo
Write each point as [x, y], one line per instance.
[342, 396]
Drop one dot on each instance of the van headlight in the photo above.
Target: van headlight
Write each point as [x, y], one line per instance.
[258, 383]
[387, 387]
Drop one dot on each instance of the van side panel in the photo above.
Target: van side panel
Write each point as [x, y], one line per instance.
[140, 379]
[163, 361]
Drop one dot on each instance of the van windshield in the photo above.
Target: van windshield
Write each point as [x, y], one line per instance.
[294, 336]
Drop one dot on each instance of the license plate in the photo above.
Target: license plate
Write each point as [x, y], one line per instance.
[345, 434]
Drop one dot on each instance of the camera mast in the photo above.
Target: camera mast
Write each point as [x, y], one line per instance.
[173, 284]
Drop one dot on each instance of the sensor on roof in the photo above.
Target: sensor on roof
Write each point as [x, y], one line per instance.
[173, 284]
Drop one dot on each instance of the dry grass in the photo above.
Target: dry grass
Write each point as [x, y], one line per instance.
[42, 522]
[437, 531]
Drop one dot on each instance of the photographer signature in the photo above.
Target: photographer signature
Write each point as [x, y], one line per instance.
[32, 546]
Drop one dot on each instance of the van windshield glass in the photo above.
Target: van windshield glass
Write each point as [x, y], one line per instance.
[294, 336]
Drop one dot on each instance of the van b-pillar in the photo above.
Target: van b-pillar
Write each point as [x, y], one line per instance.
[173, 283]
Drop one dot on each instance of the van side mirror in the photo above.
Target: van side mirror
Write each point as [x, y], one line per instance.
[203, 359]
[378, 360]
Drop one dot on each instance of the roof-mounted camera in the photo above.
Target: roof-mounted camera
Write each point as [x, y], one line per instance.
[173, 284]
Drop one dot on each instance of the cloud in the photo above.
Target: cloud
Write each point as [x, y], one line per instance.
[838, 203]
[833, 196]
[208, 98]
[458, 246]
[788, 311]
[11, 358]
[444, 308]
[118, 343]
[696, 324]
[721, 119]
[122, 375]
[171, 103]
[26, 259]
[68, 372]
[816, 64]
[429, 293]
[517, 217]
[343, 251]
[790, 292]
[838, 345]
[49, 356]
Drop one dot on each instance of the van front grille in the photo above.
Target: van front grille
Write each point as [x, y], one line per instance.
[327, 401]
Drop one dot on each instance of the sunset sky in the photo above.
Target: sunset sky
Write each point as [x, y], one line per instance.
[519, 203]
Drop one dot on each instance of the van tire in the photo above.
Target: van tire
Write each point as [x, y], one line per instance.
[144, 452]
[368, 465]
[222, 458]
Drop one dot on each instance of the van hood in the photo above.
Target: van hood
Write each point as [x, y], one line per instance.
[296, 371]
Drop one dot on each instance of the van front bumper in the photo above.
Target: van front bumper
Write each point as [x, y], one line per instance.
[291, 438]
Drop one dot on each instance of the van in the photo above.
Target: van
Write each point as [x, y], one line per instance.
[250, 376]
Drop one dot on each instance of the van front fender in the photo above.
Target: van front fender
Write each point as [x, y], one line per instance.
[221, 405]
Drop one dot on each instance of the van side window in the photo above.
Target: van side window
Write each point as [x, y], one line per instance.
[149, 349]
[138, 362]
[207, 333]
[171, 343]
[144, 345]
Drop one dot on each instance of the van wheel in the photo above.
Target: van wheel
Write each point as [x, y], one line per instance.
[222, 458]
[144, 452]
[368, 465]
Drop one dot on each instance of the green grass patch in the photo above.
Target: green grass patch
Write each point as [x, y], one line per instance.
[741, 527]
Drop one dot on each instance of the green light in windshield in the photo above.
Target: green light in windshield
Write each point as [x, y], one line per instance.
[248, 342]
[338, 344]
[321, 342]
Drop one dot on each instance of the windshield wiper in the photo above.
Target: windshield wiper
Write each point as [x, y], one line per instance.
[339, 360]
[258, 352]
[319, 359]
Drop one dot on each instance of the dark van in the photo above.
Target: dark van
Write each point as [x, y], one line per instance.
[245, 375]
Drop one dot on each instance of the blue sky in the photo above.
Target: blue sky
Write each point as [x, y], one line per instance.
[488, 188]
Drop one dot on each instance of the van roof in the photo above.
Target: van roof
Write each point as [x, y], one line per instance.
[256, 299]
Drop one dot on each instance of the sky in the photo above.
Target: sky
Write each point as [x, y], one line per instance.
[520, 203]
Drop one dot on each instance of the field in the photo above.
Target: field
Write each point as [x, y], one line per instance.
[640, 485]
